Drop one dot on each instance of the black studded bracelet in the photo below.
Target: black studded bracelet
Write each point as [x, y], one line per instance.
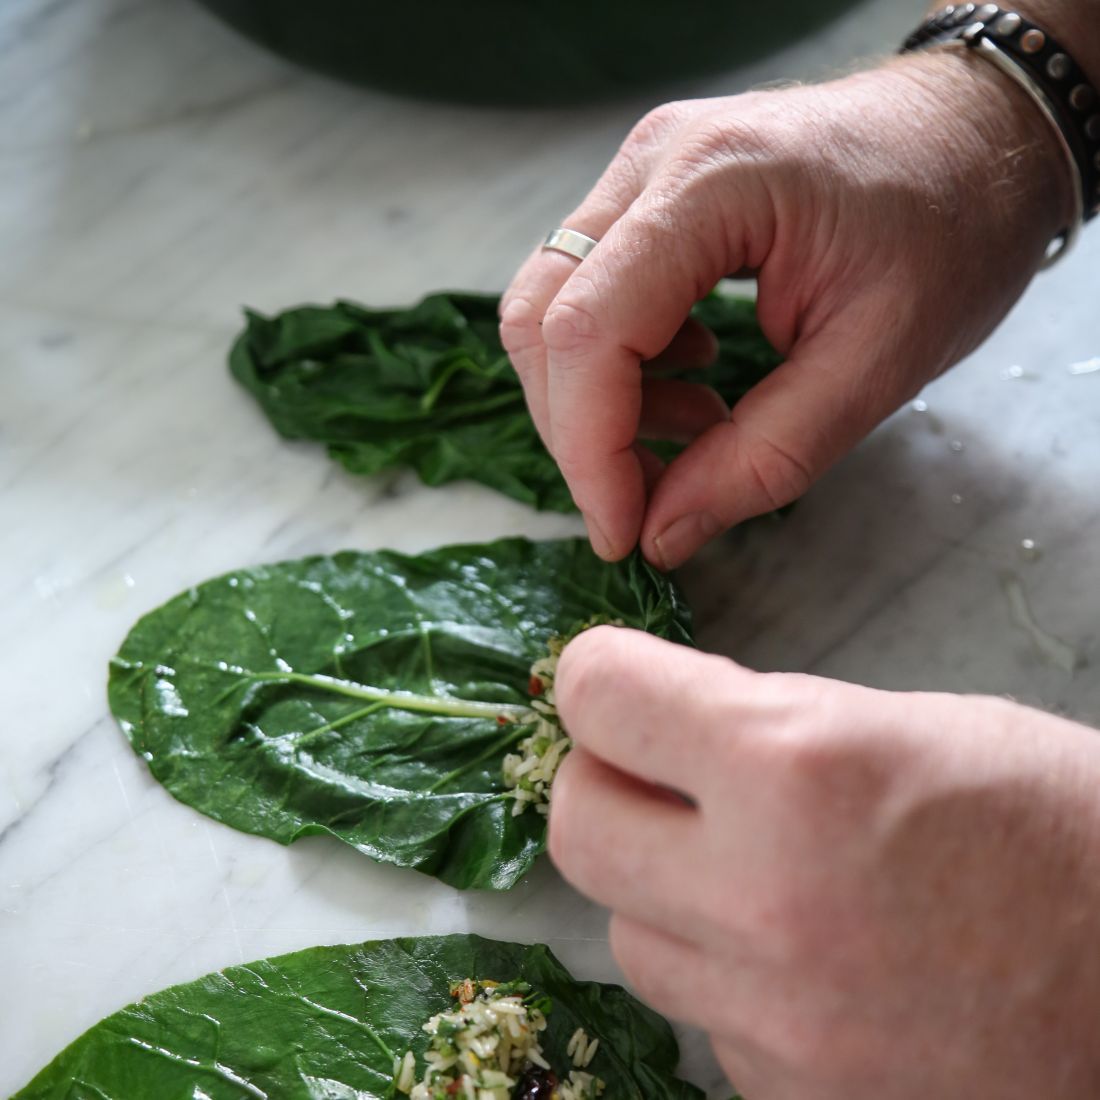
[1045, 70]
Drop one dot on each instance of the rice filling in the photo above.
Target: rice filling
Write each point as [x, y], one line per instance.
[529, 771]
[488, 1048]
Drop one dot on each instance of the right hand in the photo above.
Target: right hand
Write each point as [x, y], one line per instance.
[861, 895]
[892, 219]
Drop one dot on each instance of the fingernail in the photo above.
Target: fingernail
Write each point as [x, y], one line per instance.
[681, 538]
[600, 542]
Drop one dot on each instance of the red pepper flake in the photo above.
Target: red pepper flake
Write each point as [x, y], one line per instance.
[464, 991]
[502, 719]
[534, 686]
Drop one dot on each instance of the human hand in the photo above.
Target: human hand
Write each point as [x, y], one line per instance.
[862, 895]
[892, 218]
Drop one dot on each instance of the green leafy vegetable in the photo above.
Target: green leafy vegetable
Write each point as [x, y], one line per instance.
[430, 387]
[326, 1024]
[371, 696]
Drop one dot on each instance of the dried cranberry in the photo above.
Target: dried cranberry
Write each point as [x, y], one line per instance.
[536, 1084]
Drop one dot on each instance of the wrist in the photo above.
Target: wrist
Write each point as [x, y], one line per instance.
[997, 142]
[1055, 77]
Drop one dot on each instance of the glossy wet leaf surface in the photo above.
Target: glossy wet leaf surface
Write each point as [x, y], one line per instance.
[431, 388]
[326, 1023]
[371, 696]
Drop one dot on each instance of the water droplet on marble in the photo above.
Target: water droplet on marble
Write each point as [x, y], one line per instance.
[930, 421]
[956, 498]
[1030, 550]
[1013, 372]
[958, 446]
[1086, 366]
[112, 592]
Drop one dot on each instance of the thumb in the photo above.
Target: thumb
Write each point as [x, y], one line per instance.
[779, 438]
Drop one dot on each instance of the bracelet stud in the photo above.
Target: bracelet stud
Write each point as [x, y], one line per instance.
[987, 12]
[1033, 41]
[1008, 24]
[1082, 97]
[1058, 66]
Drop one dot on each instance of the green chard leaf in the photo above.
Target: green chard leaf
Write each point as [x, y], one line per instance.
[326, 1024]
[371, 696]
[431, 387]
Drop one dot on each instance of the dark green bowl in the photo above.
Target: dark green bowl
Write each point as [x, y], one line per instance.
[523, 52]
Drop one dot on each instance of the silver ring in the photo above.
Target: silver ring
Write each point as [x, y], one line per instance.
[570, 242]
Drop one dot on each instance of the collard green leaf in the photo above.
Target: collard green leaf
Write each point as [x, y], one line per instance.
[361, 695]
[431, 388]
[326, 1023]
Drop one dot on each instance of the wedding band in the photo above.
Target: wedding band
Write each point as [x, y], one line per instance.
[570, 242]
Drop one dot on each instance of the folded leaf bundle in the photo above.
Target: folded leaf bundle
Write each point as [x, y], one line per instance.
[372, 696]
[431, 387]
[329, 1023]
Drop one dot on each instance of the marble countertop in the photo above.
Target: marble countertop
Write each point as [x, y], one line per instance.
[156, 173]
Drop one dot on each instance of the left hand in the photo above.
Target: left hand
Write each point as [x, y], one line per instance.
[860, 895]
[853, 202]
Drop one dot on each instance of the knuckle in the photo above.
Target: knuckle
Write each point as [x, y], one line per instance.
[580, 465]
[654, 127]
[568, 325]
[519, 325]
[586, 666]
[634, 954]
[823, 752]
[576, 837]
[779, 472]
[805, 756]
[563, 839]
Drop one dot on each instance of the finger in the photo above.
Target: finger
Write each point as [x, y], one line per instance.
[623, 180]
[676, 977]
[679, 411]
[523, 305]
[741, 1064]
[521, 329]
[629, 846]
[652, 466]
[624, 304]
[655, 710]
[781, 436]
[693, 347]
